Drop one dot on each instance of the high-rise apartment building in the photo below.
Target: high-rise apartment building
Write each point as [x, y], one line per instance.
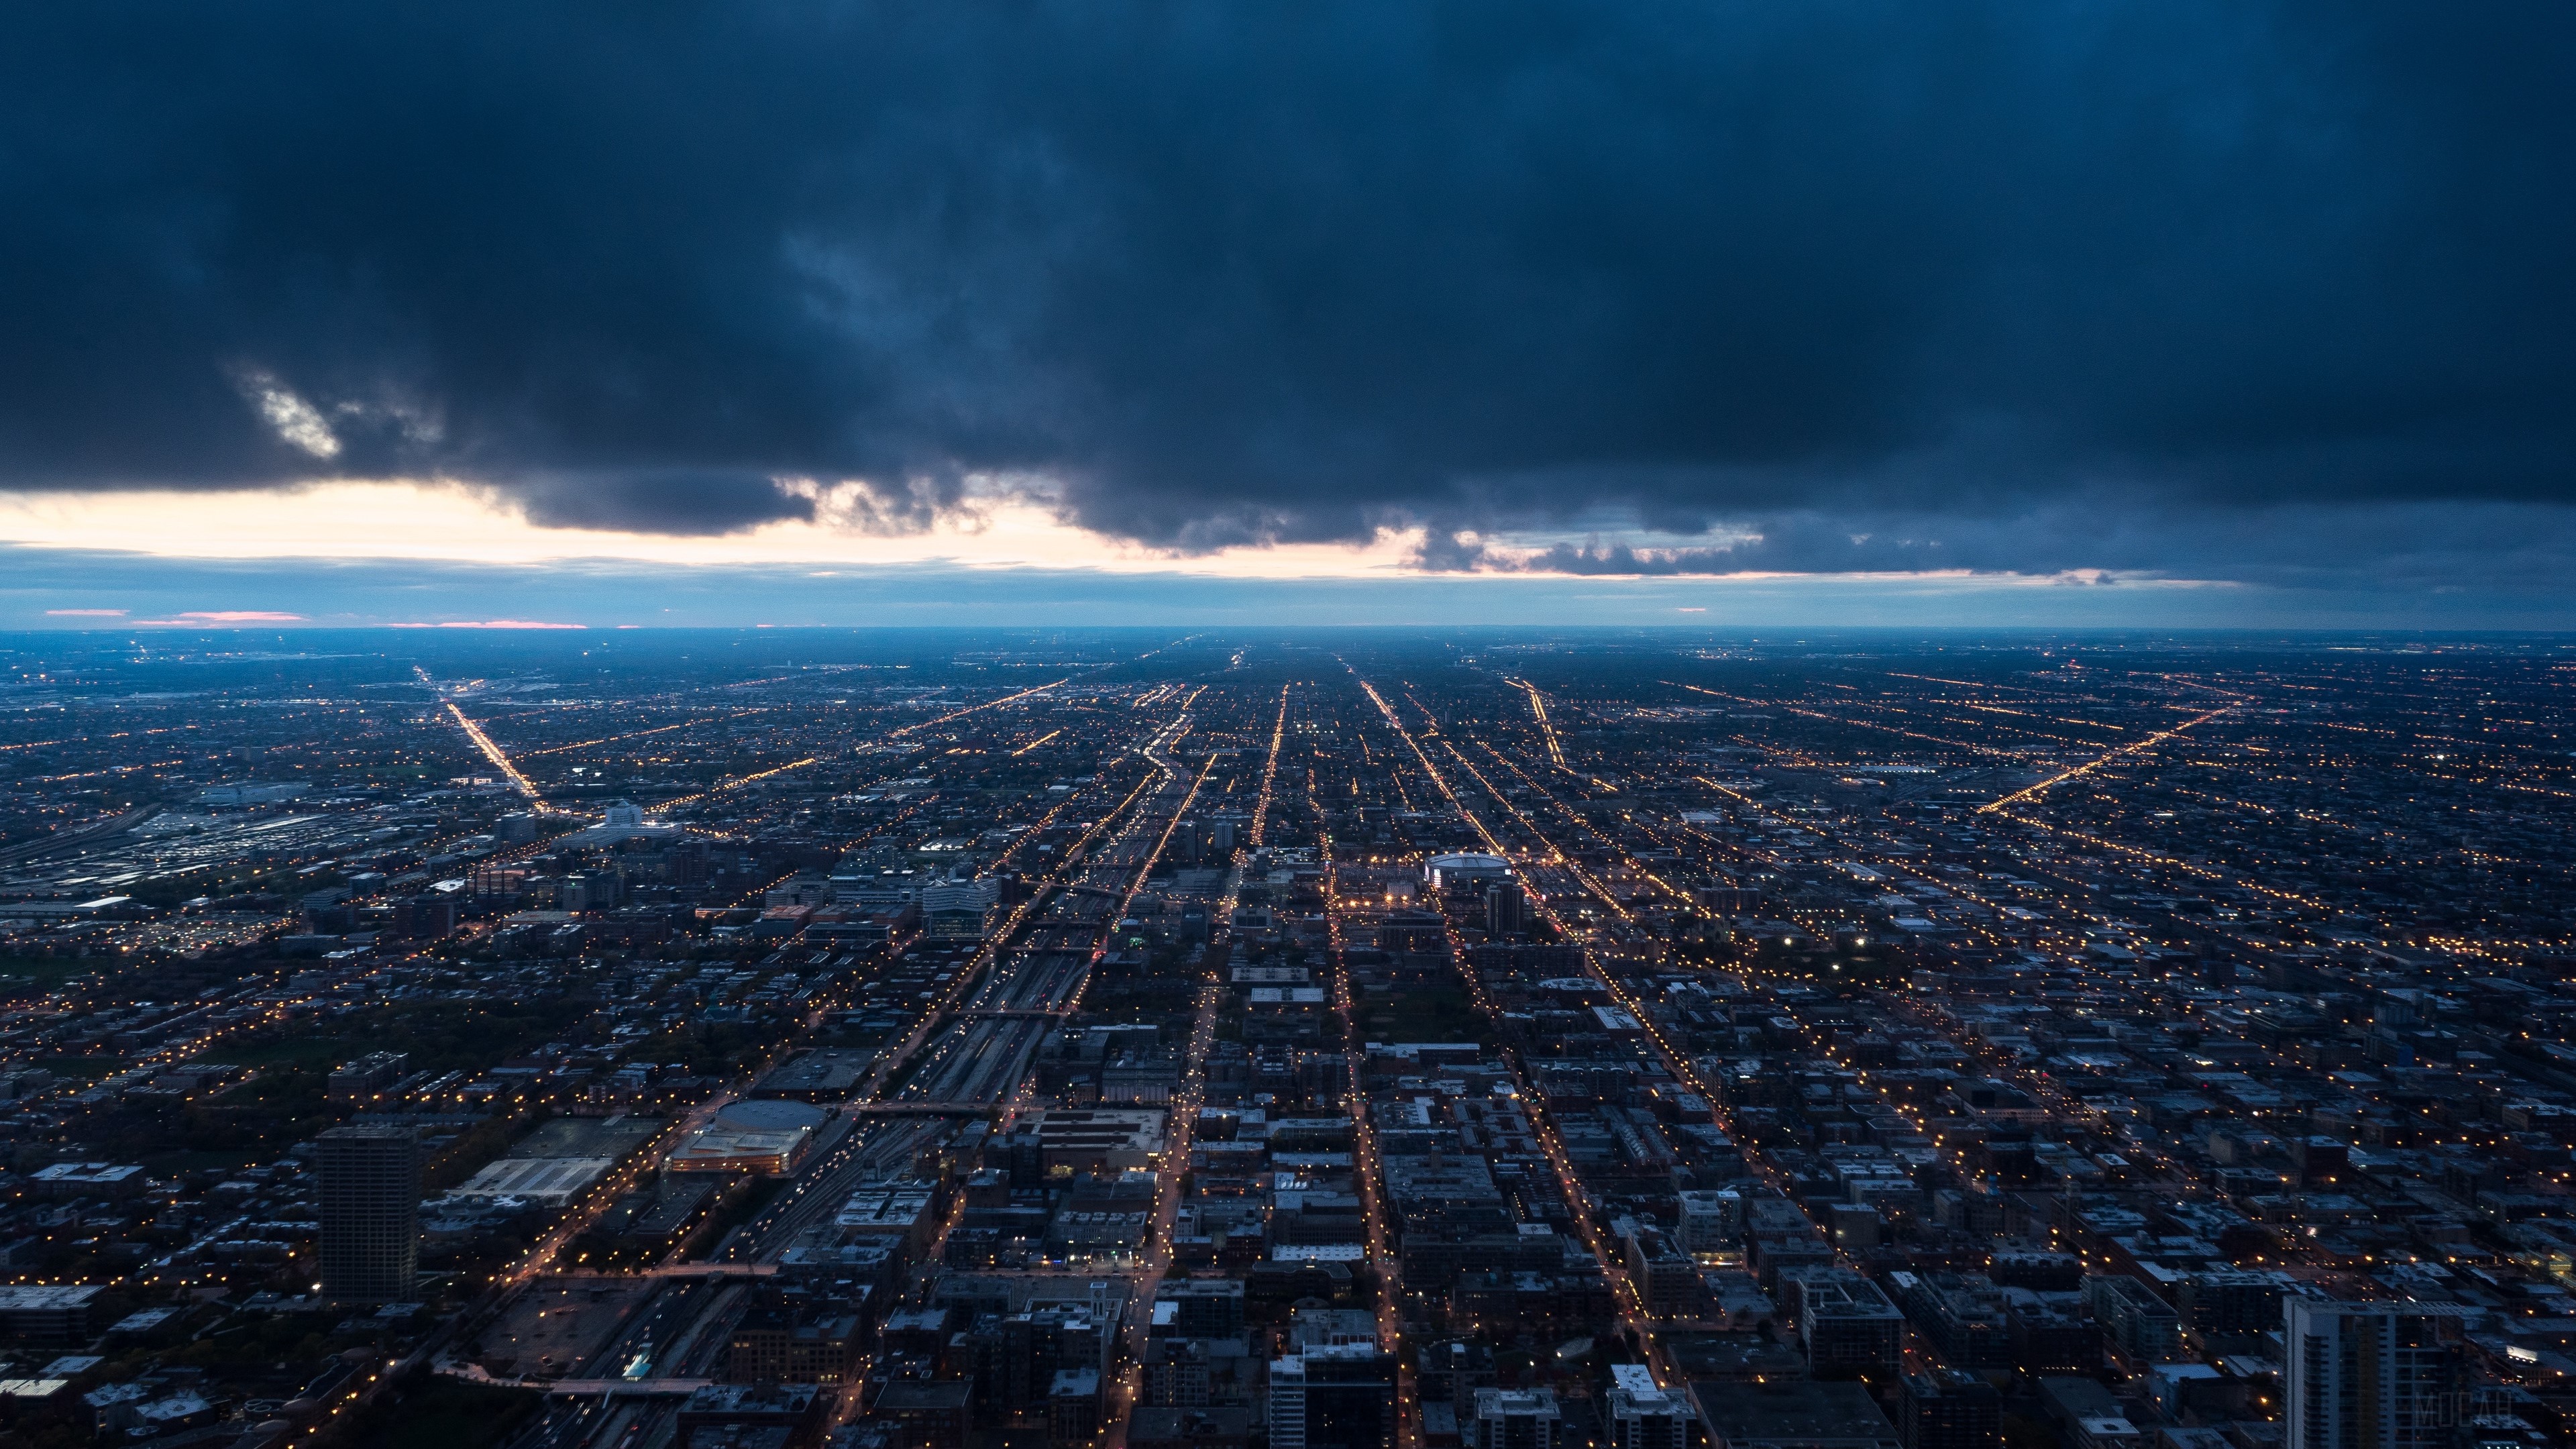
[1641, 1415]
[1950, 1409]
[2373, 1375]
[1333, 1396]
[370, 1212]
[1845, 1324]
[1515, 1419]
[2140, 1327]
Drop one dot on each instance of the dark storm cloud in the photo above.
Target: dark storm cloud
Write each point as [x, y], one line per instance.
[2039, 282]
[2401, 546]
[651, 500]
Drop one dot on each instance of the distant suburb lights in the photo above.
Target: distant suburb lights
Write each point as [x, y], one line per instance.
[204, 617]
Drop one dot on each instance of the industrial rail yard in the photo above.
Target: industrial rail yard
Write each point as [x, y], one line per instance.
[1463, 1039]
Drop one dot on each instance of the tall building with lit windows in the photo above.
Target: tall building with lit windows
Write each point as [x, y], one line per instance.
[1640, 1415]
[1333, 1396]
[2374, 1375]
[370, 1212]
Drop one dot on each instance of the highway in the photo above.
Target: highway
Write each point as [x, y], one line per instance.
[984, 1058]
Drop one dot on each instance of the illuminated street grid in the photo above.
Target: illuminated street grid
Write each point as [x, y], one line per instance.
[1076, 1035]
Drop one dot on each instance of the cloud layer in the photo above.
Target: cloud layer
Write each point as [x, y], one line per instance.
[125, 595]
[1989, 285]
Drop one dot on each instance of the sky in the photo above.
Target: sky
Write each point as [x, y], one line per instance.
[1982, 313]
